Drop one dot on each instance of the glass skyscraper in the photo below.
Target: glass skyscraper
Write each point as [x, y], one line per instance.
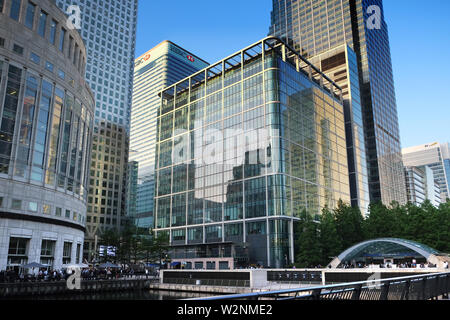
[244, 147]
[158, 68]
[108, 28]
[314, 27]
[436, 156]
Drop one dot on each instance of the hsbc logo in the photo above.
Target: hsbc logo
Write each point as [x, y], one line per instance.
[143, 59]
[190, 58]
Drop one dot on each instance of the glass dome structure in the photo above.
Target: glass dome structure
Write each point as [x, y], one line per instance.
[385, 248]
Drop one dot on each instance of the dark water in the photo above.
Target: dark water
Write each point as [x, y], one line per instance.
[121, 295]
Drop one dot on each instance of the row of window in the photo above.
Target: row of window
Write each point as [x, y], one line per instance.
[49, 29]
[46, 209]
[19, 247]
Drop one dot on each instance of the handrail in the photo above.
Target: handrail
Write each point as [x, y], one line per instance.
[344, 286]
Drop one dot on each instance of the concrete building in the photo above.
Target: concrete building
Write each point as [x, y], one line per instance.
[244, 147]
[108, 28]
[421, 185]
[436, 156]
[317, 29]
[46, 114]
[158, 68]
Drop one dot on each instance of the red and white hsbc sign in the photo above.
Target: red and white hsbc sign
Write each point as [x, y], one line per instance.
[143, 59]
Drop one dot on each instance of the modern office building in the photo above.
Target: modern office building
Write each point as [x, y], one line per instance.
[317, 27]
[108, 28]
[340, 65]
[436, 156]
[155, 70]
[244, 147]
[46, 116]
[421, 185]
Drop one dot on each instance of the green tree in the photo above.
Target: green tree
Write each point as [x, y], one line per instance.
[330, 242]
[381, 222]
[159, 246]
[348, 224]
[308, 250]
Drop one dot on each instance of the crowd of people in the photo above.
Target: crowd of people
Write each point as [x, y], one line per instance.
[90, 273]
[401, 265]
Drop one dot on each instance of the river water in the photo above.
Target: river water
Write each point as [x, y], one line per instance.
[122, 295]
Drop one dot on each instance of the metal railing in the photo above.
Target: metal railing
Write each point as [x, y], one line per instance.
[422, 287]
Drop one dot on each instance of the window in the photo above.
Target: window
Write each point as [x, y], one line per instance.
[58, 212]
[1, 5]
[1, 198]
[16, 204]
[2, 41]
[53, 31]
[47, 252]
[78, 253]
[61, 74]
[67, 213]
[32, 206]
[15, 10]
[17, 252]
[49, 66]
[29, 18]
[46, 209]
[35, 58]
[62, 36]
[42, 23]
[18, 49]
[67, 252]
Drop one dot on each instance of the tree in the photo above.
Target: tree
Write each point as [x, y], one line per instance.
[159, 246]
[381, 222]
[308, 250]
[330, 242]
[348, 224]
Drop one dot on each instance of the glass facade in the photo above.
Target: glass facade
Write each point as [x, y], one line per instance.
[314, 27]
[108, 28]
[46, 129]
[435, 156]
[31, 154]
[158, 68]
[243, 148]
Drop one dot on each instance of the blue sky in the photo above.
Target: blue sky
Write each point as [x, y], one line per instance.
[419, 37]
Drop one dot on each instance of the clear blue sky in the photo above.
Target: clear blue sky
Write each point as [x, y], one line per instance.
[419, 36]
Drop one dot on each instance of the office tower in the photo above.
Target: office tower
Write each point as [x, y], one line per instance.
[158, 68]
[46, 116]
[244, 148]
[340, 65]
[317, 27]
[108, 28]
[436, 156]
[421, 185]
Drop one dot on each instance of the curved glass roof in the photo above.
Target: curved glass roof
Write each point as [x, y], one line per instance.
[387, 248]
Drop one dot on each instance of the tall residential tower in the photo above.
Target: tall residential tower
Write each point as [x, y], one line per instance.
[158, 68]
[316, 29]
[108, 28]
